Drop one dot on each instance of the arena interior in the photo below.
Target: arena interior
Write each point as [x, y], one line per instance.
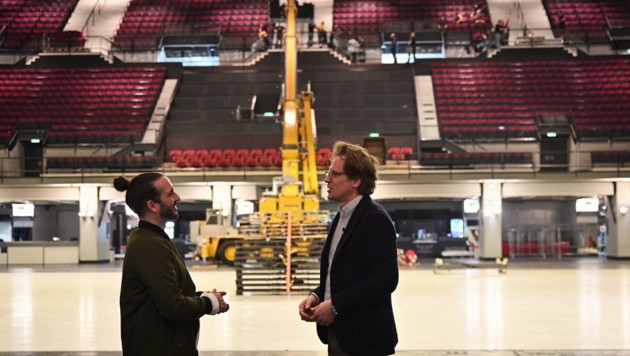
[503, 134]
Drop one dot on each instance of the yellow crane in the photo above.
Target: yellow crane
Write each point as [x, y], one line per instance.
[293, 196]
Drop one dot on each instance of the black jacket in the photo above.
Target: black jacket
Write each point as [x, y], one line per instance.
[363, 276]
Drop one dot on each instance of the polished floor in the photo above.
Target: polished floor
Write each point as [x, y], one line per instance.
[568, 306]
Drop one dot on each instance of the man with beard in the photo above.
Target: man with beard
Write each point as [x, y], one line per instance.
[352, 305]
[159, 305]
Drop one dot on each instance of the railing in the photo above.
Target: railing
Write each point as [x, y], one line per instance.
[92, 17]
[234, 49]
[17, 167]
[552, 240]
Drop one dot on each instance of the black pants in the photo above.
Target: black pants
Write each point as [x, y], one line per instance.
[334, 349]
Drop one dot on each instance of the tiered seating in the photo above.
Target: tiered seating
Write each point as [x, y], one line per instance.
[80, 105]
[611, 157]
[588, 18]
[27, 21]
[100, 163]
[147, 20]
[255, 157]
[476, 158]
[367, 17]
[501, 100]
[226, 158]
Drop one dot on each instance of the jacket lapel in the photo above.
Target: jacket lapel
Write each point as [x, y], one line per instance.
[354, 219]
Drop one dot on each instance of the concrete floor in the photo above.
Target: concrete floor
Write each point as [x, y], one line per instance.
[568, 306]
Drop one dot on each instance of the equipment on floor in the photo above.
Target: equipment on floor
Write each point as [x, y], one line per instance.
[441, 264]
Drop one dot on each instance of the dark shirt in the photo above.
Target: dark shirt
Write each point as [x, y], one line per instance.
[156, 229]
[393, 45]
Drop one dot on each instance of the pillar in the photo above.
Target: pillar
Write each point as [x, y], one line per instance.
[92, 247]
[618, 244]
[222, 198]
[491, 229]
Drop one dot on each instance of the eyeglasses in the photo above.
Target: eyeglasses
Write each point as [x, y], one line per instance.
[334, 174]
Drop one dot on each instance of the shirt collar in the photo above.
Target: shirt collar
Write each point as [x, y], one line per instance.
[156, 229]
[347, 210]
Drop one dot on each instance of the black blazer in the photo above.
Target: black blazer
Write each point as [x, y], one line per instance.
[363, 276]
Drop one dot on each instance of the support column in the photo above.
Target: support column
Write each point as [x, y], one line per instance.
[91, 247]
[491, 229]
[618, 244]
[222, 198]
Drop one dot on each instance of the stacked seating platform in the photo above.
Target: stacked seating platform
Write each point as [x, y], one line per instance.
[372, 99]
[203, 113]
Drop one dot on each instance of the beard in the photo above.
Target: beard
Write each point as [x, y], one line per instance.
[168, 212]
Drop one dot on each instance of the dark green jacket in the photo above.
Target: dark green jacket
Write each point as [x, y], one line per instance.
[159, 311]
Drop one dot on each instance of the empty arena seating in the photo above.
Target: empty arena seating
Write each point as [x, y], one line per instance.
[146, 21]
[611, 157]
[256, 157]
[28, 20]
[476, 158]
[100, 163]
[68, 41]
[368, 17]
[588, 19]
[109, 105]
[502, 100]
[228, 158]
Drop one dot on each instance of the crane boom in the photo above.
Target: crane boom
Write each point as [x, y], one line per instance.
[298, 137]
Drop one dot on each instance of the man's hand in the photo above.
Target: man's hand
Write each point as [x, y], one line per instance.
[216, 297]
[223, 305]
[322, 314]
[306, 308]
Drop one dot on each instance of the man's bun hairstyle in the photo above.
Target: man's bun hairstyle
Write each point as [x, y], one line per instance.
[140, 190]
[121, 183]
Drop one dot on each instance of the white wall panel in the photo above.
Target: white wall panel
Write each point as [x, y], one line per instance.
[578, 189]
[39, 194]
[194, 192]
[436, 191]
[246, 192]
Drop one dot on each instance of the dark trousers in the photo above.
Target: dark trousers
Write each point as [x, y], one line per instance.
[334, 349]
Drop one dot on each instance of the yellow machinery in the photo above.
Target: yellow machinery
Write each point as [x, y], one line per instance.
[292, 206]
[214, 237]
[298, 141]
